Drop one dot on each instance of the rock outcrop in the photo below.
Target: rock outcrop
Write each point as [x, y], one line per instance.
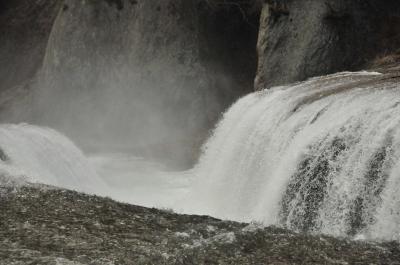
[42, 225]
[301, 39]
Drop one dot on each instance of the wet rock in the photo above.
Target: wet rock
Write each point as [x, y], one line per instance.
[53, 226]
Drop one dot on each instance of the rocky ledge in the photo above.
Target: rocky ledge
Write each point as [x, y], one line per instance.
[42, 225]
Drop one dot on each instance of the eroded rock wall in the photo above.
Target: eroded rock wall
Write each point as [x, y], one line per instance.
[300, 39]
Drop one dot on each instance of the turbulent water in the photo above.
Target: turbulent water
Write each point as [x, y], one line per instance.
[318, 156]
[45, 156]
[139, 181]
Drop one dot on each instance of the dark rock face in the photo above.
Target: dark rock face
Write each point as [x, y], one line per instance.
[42, 225]
[158, 71]
[300, 39]
[25, 26]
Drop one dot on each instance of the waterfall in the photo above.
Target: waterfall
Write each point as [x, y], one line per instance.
[320, 156]
[317, 156]
[43, 155]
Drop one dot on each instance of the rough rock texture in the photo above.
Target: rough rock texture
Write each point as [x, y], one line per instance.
[25, 26]
[51, 226]
[158, 71]
[300, 39]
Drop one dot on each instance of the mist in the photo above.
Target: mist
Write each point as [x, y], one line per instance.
[117, 78]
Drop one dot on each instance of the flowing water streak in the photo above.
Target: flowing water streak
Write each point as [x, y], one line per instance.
[317, 156]
[45, 156]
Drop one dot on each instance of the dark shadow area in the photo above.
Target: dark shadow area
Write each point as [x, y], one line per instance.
[228, 35]
[229, 39]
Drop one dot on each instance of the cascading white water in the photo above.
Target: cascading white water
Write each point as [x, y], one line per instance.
[45, 156]
[42, 155]
[318, 156]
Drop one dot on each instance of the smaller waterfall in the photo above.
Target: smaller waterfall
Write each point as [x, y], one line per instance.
[45, 156]
[317, 156]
